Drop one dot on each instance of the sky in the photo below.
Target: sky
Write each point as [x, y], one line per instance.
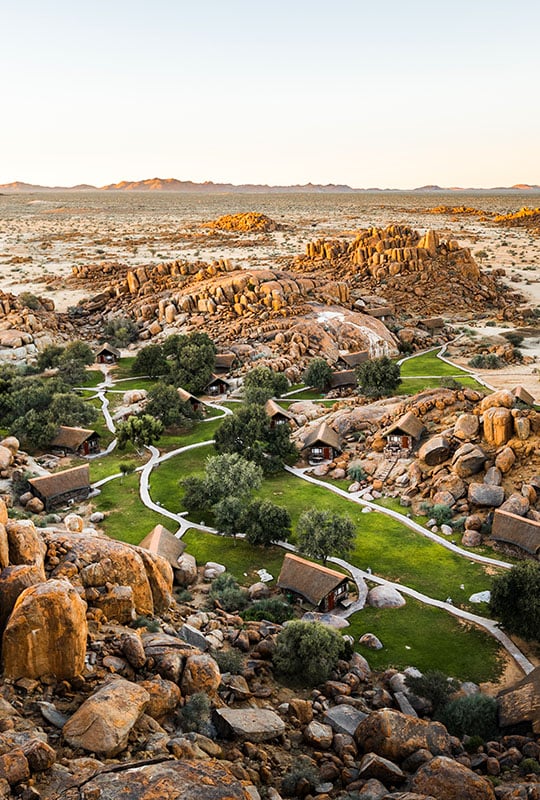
[389, 94]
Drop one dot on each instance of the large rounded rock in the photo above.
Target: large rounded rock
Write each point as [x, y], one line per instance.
[452, 484]
[471, 538]
[201, 674]
[102, 724]
[175, 780]
[25, 544]
[516, 504]
[186, 570]
[467, 427]
[13, 581]
[493, 476]
[501, 399]
[11, 443]
[447, 779]
[435, 450]
[396, 736]
[6, 457]
[385, 597]
[74, 523]
[505, 460]
[498, 426]
[468, 460]
[164, 696]
[46, 633]
[319, 735]
[485, 494]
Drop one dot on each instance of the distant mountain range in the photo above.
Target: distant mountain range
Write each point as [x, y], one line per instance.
[209, 187]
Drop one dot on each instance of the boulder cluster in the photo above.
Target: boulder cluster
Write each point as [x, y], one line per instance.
[249, 222]
[24, 330]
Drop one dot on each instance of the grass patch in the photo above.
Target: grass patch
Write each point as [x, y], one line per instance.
[165, 486]
[92, 377]
[241, 559]
[109, 465]
[127, 518]
[123, 368]
[427, 638]
[429, 364]
[410, 386]
[202, 432]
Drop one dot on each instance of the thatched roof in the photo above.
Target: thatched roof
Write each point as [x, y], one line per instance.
[187, 397]
[217, 379]
[354, 359]
[310, 580]
[70, 480]
[224, 361]
[324, 434]
[108, 348]
[520, 393]
[346, 377]
[72, 438]
[516, 530]
[521, 703]
[408, 424]
[163, 543]
[273, 409]
[432, 323]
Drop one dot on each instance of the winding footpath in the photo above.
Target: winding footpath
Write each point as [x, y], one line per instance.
[358, 575]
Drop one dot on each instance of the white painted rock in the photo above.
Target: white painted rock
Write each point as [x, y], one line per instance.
[385, 597]
[480, 597]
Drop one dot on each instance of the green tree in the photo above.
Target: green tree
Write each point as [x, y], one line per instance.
[321, 534]
[71, 410]
[515, 599]
[126, 469]
[73, 372]
[378, 377]
[195, 496]
[264, 522]
[226, 591]
[150, 361]
[231, 475]
[307, 651]
[34, 428]
[192, 360]
[228, 514]
[249, 433]
[48, 357]
[78, 351]
[120, 331]
[165, 404]
[141, 430]
[262, 383]
[475, 715]
[318, 374]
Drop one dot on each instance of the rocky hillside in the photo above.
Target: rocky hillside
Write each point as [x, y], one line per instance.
[524, 218]
[28, 323]
[248, 222]
[418, 274]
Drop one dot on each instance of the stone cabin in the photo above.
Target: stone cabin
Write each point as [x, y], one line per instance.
[517, 531]
[434, 325]
[75, 441]
[353, 360]
[161, 542]
[344, 379]
[217, 386]
[277, 414]
[402, 436]
[320, 586]
[322, 444]
[224, 363]
[107, 354]
[194, 402]
[62, 488]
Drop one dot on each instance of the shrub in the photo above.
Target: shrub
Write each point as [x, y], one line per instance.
[195, 715]
[475, 716]
[29, 300]
[451, 383]
[528, 766]
[435, 686]
[151, 625]
[513, 337]
[514, 599]
[303, 769]
[308, 652]
[120, 331]
[489, 361]
[183, 596]
[272, 609]
[229, 661]
[226, 591]
[355, 472]
[406, 348]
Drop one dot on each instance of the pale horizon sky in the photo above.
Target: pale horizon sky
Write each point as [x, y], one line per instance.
[388, 94]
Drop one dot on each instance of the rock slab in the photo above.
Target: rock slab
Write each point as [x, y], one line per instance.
[248, 724]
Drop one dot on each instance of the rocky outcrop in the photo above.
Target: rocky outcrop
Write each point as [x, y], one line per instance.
[252, 724]
[446, 779]
[46, 633]
[435, 451]
[249, 222]
[394, 735]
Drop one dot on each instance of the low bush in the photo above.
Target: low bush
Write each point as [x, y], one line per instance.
[475, 715]
[229, 661]
[195, 715]
[226, 591]
[303, 769]
[307, 652]
[272, 609]
[435, 686]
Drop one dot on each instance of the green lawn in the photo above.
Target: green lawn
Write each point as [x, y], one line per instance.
[202, 432]
[136, 383]
[414, 370]
[110, 465]
[126, 517]
[92, 377]
[165, 480]
[411, 386]
[123, 367]
[241, 559]
[427, 638]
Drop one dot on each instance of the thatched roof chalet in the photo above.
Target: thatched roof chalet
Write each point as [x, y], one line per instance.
[60, 487]
[108, 349]
[432, 323]
[277, 412]
[324, 435]
[520, 705]
[346, 377]
[224, 361]
[72, 438]
[408, 424]
[353, 360]
[312, 581]
[520, 393]
[161, 542]
[519, 531]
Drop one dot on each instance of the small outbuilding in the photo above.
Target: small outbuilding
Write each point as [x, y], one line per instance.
[277, 414]
[161, 542]
[320, 586]
[521, 394]
[62, 488]
[322, 444]
[434, 325]
[194, 402]
[75, 441]
[518, 531]
[217, 386]
[344, 379]
[403, 434]
[107, 354]
[353, 360]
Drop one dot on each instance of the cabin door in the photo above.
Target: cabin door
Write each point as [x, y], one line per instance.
[405, 442]
[330, 601]
[327, 452]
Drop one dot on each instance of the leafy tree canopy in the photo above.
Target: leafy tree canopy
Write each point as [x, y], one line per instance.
[308, 651]
[192, 360]
[317, 374]
[141, 430]
[379, 377]
[120, 331]
[515, 599]
[264, 522]
[250, 433]
[262, 383]
[150, 361]
[321, 534]
[165, 404]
